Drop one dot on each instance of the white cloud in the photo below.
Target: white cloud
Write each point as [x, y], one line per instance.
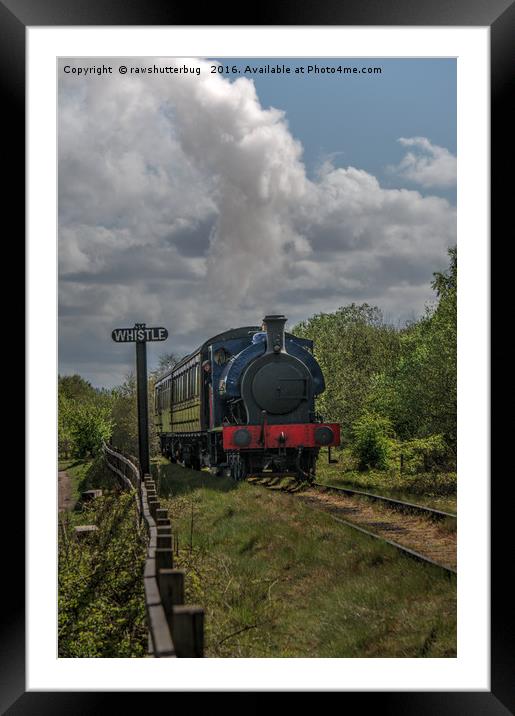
[183, 202]
[428, 164]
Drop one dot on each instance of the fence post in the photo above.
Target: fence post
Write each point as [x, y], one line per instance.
[171, 589]
[164, 558]
[164, 529]
[167, 615]
[165, 541]
[153, 505]
[187, 629]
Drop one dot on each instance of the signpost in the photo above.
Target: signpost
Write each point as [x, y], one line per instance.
[140, 334]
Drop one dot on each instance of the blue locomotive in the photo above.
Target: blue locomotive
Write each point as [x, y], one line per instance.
[245, 401]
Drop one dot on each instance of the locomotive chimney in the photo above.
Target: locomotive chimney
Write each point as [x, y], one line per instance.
[274, 326]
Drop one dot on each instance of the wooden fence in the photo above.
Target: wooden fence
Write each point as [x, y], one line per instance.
[175, 629]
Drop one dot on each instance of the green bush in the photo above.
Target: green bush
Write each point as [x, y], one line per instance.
[372, 443]
[423, 454]
[351, 345]
[87, 425]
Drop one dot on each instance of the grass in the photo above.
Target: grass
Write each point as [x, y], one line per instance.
[278, 579]
[78, 471]
[437, 490]
[101, 600]
[86, 474]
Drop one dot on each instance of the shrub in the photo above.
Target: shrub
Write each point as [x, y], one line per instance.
[372, 442]
[423, 454]
[84, 426]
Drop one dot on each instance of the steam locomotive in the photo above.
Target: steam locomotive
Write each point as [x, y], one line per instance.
[244, 401]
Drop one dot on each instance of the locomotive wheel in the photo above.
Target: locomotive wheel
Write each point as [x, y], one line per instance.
[305, 469]
[238, 468]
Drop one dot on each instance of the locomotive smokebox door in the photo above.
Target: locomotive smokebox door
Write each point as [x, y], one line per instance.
[279, 387]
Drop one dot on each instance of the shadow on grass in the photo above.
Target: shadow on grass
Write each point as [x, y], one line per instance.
[173, 479]
[69, 463]
[96, 476]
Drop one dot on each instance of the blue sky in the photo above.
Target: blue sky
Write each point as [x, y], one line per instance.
[358, 118]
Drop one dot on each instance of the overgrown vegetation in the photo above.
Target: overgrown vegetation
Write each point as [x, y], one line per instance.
[101, 600]
[88, 416]
[278, 579]
[392, 389]
[433, 488]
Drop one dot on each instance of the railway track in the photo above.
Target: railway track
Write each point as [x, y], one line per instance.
[391, 502]
[418, 535]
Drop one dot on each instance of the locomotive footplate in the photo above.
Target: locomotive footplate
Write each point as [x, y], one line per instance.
[280, 437]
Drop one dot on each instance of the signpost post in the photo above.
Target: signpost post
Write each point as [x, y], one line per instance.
[140, 334]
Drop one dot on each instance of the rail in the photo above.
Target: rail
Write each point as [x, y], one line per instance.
[390, 501]
[175, 629]
[401, 548]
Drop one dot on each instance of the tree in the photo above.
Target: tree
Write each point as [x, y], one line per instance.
[351, 345]
[76, 388]
[84, 416]
[125, 415]
[166, 361]
[83, 426]
[418, 393]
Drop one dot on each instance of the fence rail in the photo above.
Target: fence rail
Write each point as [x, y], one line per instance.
[175, 629]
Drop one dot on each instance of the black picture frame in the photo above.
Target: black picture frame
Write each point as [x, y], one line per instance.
[499, 15]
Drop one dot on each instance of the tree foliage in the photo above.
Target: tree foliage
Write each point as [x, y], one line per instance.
[351, 345]
[166, 361]
[125, 415]
[418, 392]
[406, 376]
[84, 416]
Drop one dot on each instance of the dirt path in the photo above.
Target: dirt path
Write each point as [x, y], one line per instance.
[66, 501]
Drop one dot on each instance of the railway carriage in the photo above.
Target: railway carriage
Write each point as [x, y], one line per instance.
[245, 401]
